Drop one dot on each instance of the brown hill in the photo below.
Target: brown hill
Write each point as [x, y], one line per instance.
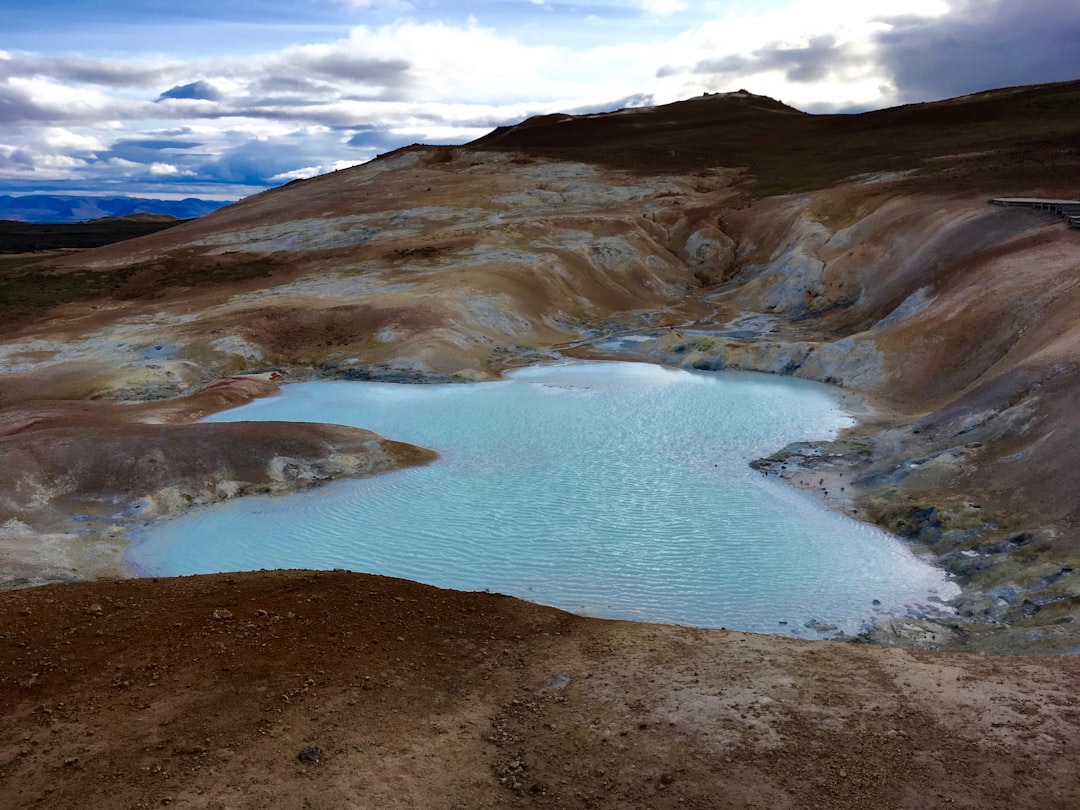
[999, 138]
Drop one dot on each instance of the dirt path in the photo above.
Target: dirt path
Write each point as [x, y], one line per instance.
[203, 692]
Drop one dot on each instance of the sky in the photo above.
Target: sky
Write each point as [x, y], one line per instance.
[223, 98]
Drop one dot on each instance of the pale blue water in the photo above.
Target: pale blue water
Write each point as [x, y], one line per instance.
[610, 489]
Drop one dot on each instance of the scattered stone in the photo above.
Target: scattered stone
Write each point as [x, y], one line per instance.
[94, 610]
[512, 774]
[555, 682]
[222, 615]
[311, 754]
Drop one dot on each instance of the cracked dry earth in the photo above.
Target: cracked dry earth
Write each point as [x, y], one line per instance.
[204, 692]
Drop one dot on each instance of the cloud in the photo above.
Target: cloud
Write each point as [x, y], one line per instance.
[662, 8]
[813, 54]
[123, 165]
[202, 90]
[255, 162]
[344, 62]
[15, 159]
[810, 63]
[626, 102]
[801, 64]
[114, 73]
[163, 170]
[384, 6]
[257, 118]
[313, 171]
[64, 139]
[45, 100]
[980, 46]
[372, 138]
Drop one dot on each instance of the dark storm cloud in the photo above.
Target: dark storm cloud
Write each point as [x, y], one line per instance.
[811, 63]
[982, 45]
[200, 90]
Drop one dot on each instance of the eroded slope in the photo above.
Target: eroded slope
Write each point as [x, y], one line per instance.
[954, 319]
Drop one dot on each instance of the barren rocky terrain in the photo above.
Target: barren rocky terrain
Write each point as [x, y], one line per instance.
[214, 692]
[665, 235]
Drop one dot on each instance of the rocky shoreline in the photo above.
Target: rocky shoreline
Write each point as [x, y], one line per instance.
[839, 472]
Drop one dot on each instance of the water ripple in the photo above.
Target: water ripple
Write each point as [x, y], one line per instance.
[615, 489]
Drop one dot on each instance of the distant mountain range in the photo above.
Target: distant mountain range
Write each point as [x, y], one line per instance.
[60, 209]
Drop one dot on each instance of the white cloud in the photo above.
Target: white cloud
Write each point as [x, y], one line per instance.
[457, 64]
[314, 171]
[61, 139]
[48, 162]
[385, 6]
[163, 169]
[662, 8]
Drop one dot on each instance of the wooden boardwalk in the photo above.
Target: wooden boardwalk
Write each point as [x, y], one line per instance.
[1069, 210]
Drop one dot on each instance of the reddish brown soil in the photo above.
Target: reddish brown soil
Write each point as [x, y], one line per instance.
[202, 693]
